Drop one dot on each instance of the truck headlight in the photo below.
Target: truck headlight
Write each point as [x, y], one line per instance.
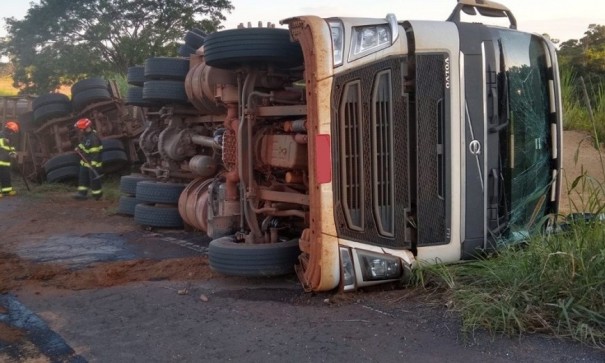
[379, 267]
[369, 39]
[338, 41]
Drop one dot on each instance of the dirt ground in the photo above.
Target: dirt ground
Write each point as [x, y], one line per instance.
[31, 217]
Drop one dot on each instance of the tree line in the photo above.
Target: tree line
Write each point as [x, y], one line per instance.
[61, 41]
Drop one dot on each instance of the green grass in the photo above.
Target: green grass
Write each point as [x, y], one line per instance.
[576, 113]
[552, 285]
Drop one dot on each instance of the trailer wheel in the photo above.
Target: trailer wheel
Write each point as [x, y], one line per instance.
[166, 68]
[253, 260]
[114, 160]
[157, 216]
[112, 144]
[128, 183]
[231, 49]
[86, 97]
[136, 76]
[61, 161]
[185, 50]
[66, 173]
[134, 97]
[88, 84]
[48, 99]
[165, 92]
[52, 110]
[194, 40]
[127, 204]
[158, 192]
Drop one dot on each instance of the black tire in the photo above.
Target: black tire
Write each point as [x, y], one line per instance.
[48, 99]
[194, 40]
[157, 216]
[253, 260]
[66, 173]
[199, 31]
[89, 96]
[114, 160]
[88, 84]
[127, 204]
[231, 49]
[165, 92]
[167, 68]
[134, 97]
[136, 76]
[156, 192]
[112, 144]
[186, 50]
[50, 111]
[128, 183]
[61, 161]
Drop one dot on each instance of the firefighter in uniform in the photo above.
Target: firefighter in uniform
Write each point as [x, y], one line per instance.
[7, 152]
[90, 149]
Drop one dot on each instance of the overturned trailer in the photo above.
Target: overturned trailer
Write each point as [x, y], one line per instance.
[352, 148]
[47, 138]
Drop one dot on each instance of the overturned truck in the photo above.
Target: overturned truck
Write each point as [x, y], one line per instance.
[351, 149]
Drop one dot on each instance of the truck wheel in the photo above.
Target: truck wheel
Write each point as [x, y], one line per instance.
[88, 84]
[48, 99]
[158, 192]
[165, 92]
[166, 68]
[127, 204]
[194, 40]
[65, 173]
[114, 160]
[86, 97]
[52, 110]
[128, 183]
[186, 50]
[157, 216]
[253, 260]
[61, 161]
[136, 76]
[231, 49]
[134, 97]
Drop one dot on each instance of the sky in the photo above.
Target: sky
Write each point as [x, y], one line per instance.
[561, 20]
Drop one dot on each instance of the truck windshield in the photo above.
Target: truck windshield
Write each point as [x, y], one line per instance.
[527, 173]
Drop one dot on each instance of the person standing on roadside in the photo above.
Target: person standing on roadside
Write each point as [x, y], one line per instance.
[7, 152]
[89, 149]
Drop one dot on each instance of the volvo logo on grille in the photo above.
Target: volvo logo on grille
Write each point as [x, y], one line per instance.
[475, 147]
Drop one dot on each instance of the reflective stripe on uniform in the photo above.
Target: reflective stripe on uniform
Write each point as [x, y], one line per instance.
[7, 189]
[96, 192]
[5, 163]
[82, 189]
[5, 145]
[95, 149]
[96, 164]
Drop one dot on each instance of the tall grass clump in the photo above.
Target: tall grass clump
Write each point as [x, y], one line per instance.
[553, 285]
[583, 109]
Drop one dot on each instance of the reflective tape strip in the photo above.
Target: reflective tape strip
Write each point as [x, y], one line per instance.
[7, 189]
[5, 163]
[82, 189]
[96, 192]
[97, 164]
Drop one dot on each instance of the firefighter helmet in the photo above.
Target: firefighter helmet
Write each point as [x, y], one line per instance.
[13, 126]
[83, 124]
